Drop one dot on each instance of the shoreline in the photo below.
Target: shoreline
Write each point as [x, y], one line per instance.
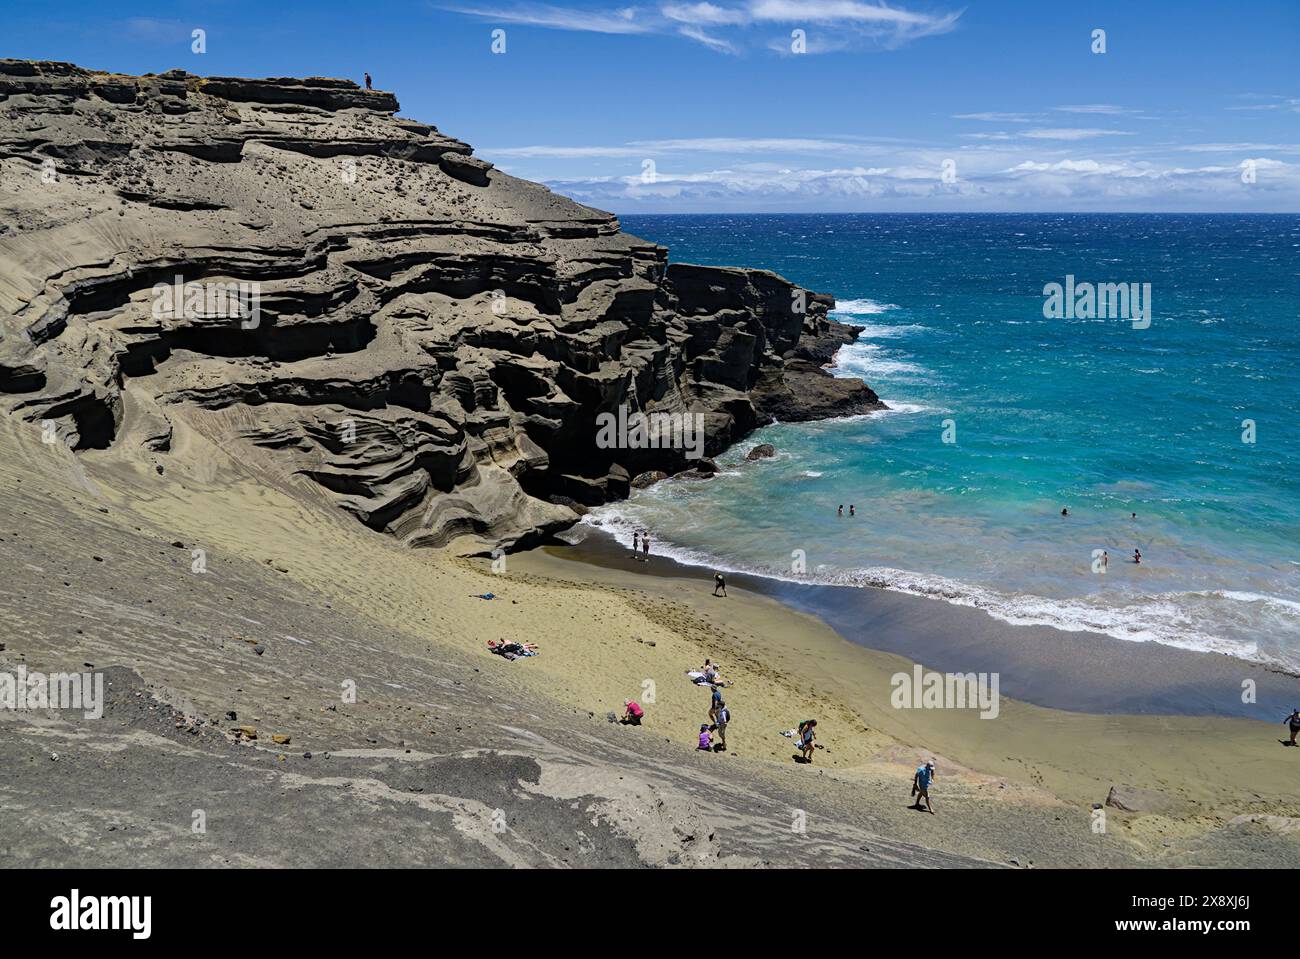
[1075, 671]
[1196, 766]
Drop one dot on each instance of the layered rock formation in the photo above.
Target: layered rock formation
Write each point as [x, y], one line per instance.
[353, 297]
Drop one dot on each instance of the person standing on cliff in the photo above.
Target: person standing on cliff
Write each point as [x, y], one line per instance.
[368, 81]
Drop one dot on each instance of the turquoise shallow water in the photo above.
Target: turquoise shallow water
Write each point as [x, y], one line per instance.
[1090, 414]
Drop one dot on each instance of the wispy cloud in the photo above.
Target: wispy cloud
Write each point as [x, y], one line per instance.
[999, 117]
[1099, 109]
[1072, 133]
[624, 20]
[731, 28]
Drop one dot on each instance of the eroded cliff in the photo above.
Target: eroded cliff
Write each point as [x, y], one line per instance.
[427, 339]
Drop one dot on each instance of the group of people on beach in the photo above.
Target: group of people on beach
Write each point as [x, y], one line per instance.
[641, 538]
[719, 715]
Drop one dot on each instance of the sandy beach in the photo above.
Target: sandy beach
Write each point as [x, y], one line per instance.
[1019, 787]
[1208, 768]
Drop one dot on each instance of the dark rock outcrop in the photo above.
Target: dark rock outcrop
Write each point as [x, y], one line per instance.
[431, 342]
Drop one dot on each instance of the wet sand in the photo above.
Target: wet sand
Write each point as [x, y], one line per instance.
[1075, 671]
[1200, 768]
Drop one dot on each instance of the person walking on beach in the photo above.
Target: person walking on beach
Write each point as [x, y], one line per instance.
[716, 705]
[636, 541]
[921, 785]
[645, 545]
[1294, 721]
[719, 583]
[720, 724]
[632, 713]
[367, 81]
[808, 739]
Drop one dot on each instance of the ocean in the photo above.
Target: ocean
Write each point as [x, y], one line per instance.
[1001, 416]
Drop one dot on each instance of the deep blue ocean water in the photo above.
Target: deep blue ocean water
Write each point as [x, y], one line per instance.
[1093, 415]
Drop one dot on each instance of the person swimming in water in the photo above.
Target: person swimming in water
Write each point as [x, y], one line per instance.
[1137, 556]
[853, 510]
[1065, 512]
[840, 511]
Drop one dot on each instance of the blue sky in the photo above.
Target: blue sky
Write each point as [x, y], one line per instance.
[705, 106]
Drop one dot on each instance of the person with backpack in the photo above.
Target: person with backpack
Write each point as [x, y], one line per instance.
[720, 725]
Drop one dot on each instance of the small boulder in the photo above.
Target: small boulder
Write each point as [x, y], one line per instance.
[761, 452]
[648, 478]
[1133, 799]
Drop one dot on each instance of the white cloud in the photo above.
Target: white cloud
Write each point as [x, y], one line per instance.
[998, 117]
[1072, 133]
[712, 42]
[704, 14]
[1100, 109]
[624, 20]
[854, 21]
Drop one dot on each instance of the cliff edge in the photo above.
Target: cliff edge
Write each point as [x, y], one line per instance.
[352, 299]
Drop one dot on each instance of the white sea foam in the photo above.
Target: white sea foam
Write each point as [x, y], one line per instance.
[1181, 620]
[861, 307]
[870, 359]
[881, 331]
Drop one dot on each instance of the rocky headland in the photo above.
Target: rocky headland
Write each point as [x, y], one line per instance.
[434, 340]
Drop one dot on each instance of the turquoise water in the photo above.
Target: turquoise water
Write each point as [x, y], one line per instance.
[1090, 414]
